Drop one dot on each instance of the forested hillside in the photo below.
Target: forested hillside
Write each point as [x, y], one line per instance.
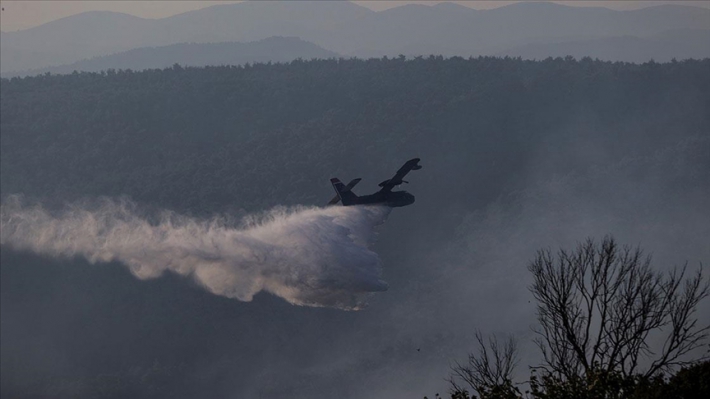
[517, 155]
[262, 135]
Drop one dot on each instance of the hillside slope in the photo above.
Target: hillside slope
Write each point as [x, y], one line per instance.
[517, 155]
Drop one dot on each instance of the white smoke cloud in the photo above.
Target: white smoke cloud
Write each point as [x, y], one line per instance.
[308, 256]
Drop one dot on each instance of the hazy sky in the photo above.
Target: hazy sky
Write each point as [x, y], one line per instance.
[23, 14]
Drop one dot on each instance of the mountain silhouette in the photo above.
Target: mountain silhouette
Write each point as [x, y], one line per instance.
[274, 49]
[346, 28]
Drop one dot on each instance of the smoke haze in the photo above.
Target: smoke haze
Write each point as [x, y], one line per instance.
[307, 256]
[517, 156]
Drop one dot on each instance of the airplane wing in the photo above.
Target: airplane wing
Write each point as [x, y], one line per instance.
[347, 188]
[396, 180]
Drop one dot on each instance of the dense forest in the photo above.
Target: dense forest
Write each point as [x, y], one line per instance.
[517, 154]
[154, 135]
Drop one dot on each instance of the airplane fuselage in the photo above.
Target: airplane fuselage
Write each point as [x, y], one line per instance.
[392, 199]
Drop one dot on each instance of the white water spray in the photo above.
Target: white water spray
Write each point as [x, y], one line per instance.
[308, 256]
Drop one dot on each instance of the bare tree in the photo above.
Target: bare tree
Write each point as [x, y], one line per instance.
[489, 371]
[600, 307]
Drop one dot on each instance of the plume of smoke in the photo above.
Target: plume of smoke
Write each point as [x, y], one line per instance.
[308, 256]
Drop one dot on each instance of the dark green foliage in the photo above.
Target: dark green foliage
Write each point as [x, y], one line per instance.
[505, 390]
[689, 382]
[595, 384]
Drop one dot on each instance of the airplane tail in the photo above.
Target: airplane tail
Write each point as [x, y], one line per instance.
[345, 195]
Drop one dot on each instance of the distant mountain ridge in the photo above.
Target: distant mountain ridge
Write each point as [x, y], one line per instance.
[343, 27]
[274, 49]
